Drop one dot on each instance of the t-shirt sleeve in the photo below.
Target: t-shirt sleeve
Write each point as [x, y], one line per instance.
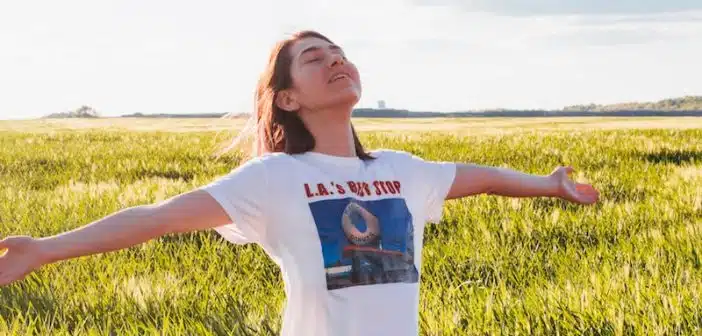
[242, 194]
[430, 182]
[434, 179]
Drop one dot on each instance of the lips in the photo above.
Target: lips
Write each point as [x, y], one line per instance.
[338, 76]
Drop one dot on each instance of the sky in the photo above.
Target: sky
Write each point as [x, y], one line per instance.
[158, 56]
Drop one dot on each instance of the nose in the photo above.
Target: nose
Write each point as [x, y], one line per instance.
[336, 59]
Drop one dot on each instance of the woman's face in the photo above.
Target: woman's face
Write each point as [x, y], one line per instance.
[322, 76]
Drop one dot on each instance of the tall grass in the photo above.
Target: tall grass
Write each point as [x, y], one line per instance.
[630, 265]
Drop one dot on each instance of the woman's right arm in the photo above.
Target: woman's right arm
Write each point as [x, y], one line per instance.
[191, 211]
[240, 195]
[194, 210]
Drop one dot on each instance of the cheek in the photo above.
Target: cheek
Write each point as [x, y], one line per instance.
[310, 86]
[309, 80]
[355, 75]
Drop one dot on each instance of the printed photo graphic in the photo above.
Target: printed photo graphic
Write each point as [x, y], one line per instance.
[365, 242]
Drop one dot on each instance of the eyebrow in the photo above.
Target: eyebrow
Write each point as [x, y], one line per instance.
[315, 48]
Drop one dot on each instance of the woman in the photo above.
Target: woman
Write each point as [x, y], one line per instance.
[344, 225]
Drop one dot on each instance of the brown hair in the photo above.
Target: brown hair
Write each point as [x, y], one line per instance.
[278, 130]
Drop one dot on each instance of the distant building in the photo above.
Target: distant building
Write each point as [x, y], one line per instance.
[381, 104]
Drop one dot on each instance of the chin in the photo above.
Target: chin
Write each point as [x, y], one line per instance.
[348, 98]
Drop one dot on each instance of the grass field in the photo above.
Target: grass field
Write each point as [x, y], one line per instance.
[630, 265]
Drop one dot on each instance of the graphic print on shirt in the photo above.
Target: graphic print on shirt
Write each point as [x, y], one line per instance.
[365, 242]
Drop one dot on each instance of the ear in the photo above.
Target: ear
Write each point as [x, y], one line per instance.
[287, 101]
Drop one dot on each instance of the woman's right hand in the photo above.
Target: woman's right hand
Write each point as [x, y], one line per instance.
[21, 256]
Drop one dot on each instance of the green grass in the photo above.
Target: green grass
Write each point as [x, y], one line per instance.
[630, 265]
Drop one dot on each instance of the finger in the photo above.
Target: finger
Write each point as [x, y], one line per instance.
[583, 199]
[586, 189]
[568, 169]
[3, 244]
[582, 188]
[582, 194]
[5, 281]
[591, 197]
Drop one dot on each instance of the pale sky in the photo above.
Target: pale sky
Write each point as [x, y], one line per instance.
[129, 56]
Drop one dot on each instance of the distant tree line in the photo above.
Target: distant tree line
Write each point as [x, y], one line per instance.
[687, 103]
[684, 106]
[81, 112]
[174, 115]
[376, 113]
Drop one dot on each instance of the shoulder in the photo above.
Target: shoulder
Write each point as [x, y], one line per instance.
[254, 173]
[268, 160]
[395, 156]
[390, 154]
[258, 167]
[407, 160]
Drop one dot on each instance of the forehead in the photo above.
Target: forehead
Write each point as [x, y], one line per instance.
[309, 43]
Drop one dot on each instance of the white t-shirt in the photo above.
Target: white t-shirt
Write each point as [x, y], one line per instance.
[346, 233]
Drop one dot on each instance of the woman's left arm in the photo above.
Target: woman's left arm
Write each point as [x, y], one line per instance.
[472, 179]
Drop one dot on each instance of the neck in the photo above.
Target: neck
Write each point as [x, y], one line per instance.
[331, 130]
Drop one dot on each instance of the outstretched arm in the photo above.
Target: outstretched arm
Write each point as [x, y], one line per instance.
[472, 179]
[195, 210]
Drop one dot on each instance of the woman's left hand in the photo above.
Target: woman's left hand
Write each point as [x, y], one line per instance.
[572, 191]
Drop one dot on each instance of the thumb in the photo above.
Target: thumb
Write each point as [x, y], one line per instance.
[6, 243]
[568, 170]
